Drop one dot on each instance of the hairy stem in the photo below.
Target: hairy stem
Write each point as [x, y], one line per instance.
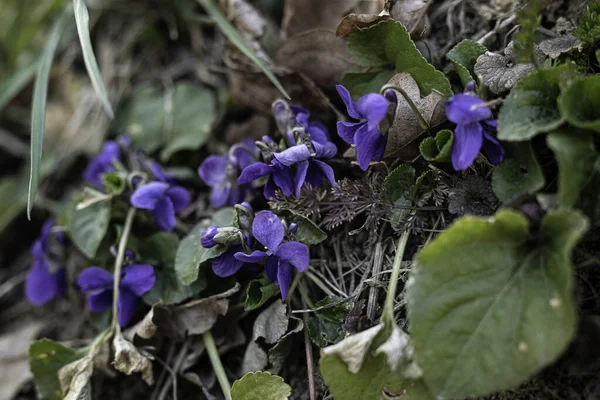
[118, 265]
[388, 311]
[215, 360]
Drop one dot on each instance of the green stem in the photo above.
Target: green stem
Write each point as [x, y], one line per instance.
[215, 360]
[388, 311]
[118, 265]
[422, 121]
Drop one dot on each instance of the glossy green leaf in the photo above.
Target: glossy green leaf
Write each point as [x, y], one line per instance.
[88, 226]
[308, 232]
[438, 149]
[519, 174]
[497, 292]
[464, 56]
[258, 293]
[38, 108]
[389, 43]
[82, 20]
[238, 41]
[531, 107]
[190, 253]
[576, 156]
[260, 386]
[361, 83]
[580, 103]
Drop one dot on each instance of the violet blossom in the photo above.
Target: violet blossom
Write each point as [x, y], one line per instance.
[98, 283]
[473, 123]
[162, 200]
[101, 164]
[282, 257]
[46, 279]
[370, 110]
[221, 173]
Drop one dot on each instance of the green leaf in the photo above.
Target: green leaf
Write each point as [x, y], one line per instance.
[519, 174]
[260, 386]
[531, 107]
[325, 325]
[438, 149]
[389, 43]
[88, 226]
[464, 56]
[589, 201]
[361, 83]
[497, 292]
[580, 103]
[192, 118]
[191, 254]
[576, 156]
[238, 41]
[529, 19]
[400, 184]
[308, 232]
[159, 250]
[258, 293]
[38, 108]
[82, 19]
[114, 183]
[46, 358]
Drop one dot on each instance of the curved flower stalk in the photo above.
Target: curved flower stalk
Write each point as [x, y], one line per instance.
[473, 126]
[46, 279]
[98, 283]
[220, 173]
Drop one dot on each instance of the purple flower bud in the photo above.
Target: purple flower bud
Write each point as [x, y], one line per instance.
[293, 227]
[391, 96]
[247, 206]
[208, 236]
[470, 88]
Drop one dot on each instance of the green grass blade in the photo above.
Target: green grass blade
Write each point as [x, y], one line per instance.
[38, 109]
[83, 29]
[13, 85]
[234, 36]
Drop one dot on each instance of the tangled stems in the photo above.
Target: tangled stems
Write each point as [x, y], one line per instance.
[387, 317]
[115, 327]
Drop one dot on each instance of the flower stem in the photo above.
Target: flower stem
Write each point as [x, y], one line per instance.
[388, 310]
[215, 360]
[118, 265]
[422, 121]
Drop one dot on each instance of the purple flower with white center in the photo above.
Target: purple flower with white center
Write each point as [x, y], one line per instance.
[162, 200]
[221, 173]
[473, 120]
[101, 164]
[98, 283]
[370, 110]
[45, 280]
[282, 258]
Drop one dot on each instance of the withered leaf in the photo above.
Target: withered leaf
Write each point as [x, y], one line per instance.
[412, 14]
[249, 22]
[350, 21]
[129, 360]
[554, 47]
[406, 127]
[75, 377]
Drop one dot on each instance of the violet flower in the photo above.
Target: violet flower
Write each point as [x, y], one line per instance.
[269, 231]
[45, 280]
[226, 264]
[162, 200]
[98, 283]
[221, 173]
[370, 110]
[101, 164]
[472, 119]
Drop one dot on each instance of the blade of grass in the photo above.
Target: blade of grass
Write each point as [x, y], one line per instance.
[13, 85]
[238, 41]
[82, 19]
[38, 109]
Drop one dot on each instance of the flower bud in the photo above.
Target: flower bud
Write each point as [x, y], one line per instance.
[228, 236]
[208, 236]
[293, 227]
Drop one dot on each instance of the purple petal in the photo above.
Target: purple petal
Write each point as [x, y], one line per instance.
[347, 99]
[164, 214]
[493, 124]
[325, 150]
[94, 278]
[226, 264]
[245, 154]
[40, 284]
[180, 197]
[253, 172]
[271, 266]
[159, 173]
[370, 144]
[100, 301]
[147, 195]
[327, 172]
[269, 189]
[127, 302]
[467, 143]
[462, 109]
[347, 130]
[213, 170]
[219, 195]
[285, 273]
[294, 253]
[293, 155]
[314, 175]
[268, 230]
[492, 149]
[300, 176]
[253, 258]
[317, 131]
[139, 278]
[284, 181]
[373, 107]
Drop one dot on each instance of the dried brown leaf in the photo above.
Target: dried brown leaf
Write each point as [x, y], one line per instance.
[129, 360]
[412, 14]
[75, 378]
[350, 21]
[563, 44]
